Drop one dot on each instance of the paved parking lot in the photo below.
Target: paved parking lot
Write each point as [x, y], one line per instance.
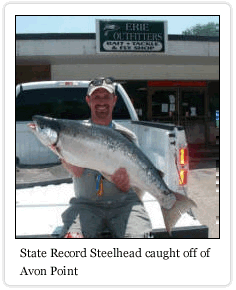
[203, 179]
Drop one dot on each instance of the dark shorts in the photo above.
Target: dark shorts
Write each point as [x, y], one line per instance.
[126, 219]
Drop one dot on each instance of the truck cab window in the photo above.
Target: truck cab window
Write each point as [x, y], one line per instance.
[63, 103]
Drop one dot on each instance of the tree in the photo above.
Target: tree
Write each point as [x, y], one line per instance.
[209, 29]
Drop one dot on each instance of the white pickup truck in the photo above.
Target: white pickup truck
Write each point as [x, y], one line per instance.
[164, 144]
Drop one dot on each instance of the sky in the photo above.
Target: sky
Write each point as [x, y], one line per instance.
[86, 24]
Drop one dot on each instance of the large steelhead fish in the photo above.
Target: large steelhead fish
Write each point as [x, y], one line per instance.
[106, 150]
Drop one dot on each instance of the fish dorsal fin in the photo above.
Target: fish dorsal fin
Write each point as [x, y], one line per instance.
[126, 132]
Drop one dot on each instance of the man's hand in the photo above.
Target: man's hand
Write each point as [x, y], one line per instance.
[121, 179]
[74, 170]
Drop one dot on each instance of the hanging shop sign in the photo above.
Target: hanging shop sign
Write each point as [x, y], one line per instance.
[131, 36]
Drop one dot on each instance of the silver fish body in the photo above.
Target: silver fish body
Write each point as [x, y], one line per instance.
[106, 150]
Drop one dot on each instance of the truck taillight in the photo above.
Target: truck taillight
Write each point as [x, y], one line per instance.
[183, 165]
[183, 156]
[183, 173]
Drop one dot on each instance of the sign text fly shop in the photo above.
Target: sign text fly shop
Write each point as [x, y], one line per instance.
[131, 36]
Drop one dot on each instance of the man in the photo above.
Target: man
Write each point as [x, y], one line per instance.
[101, 203]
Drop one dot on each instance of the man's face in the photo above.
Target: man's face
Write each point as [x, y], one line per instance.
[101, 103]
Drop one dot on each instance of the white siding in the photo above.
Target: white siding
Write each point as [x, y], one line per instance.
[54, 47]
[77, 59]
[194, 48]
[214, 48]
[70, 47]
[139, 72]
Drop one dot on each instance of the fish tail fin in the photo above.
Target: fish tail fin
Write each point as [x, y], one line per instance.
[182, 205]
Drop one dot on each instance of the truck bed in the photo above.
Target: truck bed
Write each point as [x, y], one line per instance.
[39, 209]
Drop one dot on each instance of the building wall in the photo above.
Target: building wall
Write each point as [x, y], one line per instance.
[195, 48]
[54, 47]
[135, 72]
[88, 47]
[77, 59]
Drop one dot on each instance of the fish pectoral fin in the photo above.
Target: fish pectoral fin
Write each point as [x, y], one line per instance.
[182, 205]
